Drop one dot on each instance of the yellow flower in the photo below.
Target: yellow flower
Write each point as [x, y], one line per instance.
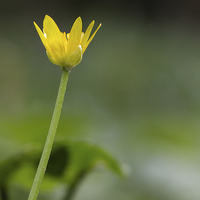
[65, 50]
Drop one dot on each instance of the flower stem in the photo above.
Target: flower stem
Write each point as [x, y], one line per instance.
[73, 187]
[50, 137]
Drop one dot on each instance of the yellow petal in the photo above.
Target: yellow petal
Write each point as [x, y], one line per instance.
[82, 35]
[53, 34]
[53, 59]
[65, 41]
[41, 34]
[88, 42]
[87, 35]
[74, 36]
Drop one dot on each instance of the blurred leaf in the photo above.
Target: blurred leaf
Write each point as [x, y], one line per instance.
[11, 163]
[58, 161]
[71, 161]
[82, 157]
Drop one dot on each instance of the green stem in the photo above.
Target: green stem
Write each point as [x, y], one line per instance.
[3, 192]
[73, 187]
[50, 137]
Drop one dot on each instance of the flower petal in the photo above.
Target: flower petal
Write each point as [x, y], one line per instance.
[88, 42]
[53, 59]
[87, 35]
[52, 31]
[74, 36]
[41, 34]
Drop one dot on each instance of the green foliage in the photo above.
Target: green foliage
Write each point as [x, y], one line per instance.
[79, 158]
[12, 162]
[9, 165]
[70, 161]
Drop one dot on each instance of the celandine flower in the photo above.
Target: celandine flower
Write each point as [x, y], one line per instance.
[65, 50]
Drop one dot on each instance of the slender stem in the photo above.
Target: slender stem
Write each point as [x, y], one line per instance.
[74, 185]
[3, 192]
[50, 137]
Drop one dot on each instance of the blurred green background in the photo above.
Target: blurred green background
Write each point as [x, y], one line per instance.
[135, 93]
